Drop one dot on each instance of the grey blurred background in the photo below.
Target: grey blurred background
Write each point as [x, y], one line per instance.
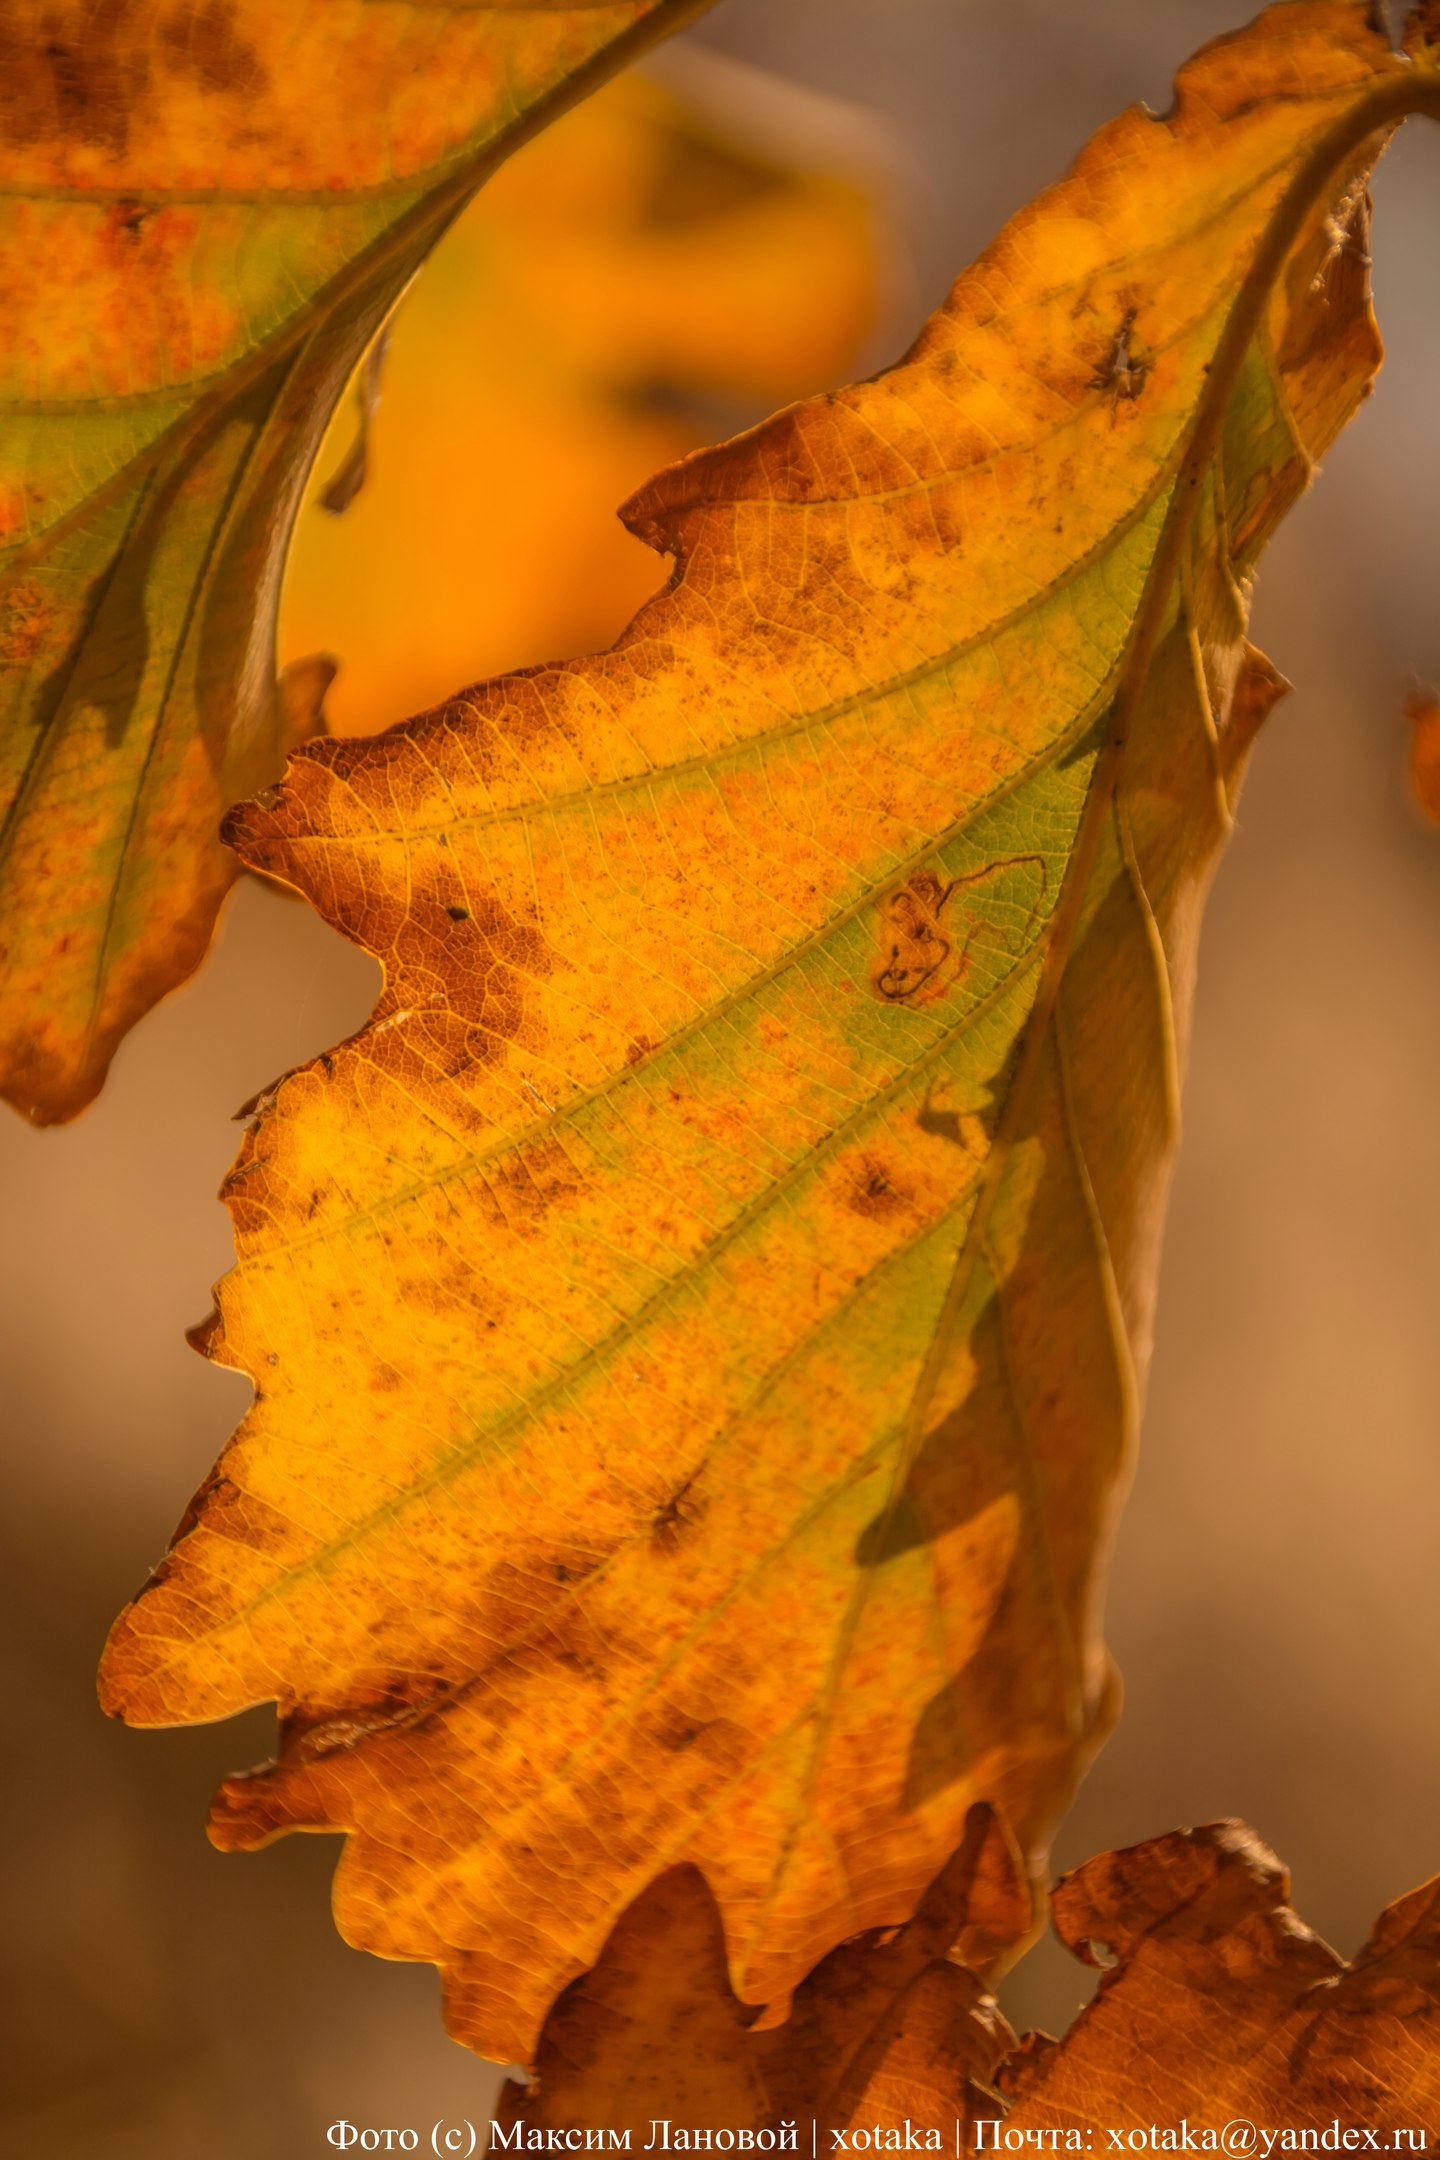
[1275, 1596]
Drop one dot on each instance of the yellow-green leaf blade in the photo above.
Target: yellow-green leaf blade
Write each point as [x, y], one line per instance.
[700, 1324]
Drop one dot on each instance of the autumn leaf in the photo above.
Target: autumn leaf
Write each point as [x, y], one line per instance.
[1217, 2008]
[208, 211]
[698, 1327]
[1222, 2008]
[651, 262]
[1422, 710]
[654, 2032]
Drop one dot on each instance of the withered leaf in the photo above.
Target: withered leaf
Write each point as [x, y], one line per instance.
[1222, 2008]
[207, 211]
[654, 2032]
[1218, 2008]
[699, 1325]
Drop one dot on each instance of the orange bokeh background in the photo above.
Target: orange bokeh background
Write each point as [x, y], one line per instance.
[658, 268]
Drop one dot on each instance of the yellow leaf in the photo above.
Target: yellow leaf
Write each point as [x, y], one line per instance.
[698, 1326]
[1223, 2010]
[643, 265]
[207, 212]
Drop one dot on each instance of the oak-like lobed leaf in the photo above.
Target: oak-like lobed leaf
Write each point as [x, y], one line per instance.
[699, 1326]
[1219, 2008]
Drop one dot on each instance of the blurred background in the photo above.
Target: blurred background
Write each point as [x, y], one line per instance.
[726, 242]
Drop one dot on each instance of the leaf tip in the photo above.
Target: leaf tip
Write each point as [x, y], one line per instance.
[1202, 1880]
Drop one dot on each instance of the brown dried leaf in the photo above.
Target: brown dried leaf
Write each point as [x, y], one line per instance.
[1222, 2007]
[1220, 2012]
[890, 2022]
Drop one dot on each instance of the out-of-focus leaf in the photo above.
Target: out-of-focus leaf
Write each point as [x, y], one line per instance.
[1422, 710]
[655, 2033]
[1221, 2008]
[644, 268]
[698, 1327]
[208, 207]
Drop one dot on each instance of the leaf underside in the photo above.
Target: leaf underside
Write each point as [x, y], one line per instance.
[207, 212]
[699, 1325]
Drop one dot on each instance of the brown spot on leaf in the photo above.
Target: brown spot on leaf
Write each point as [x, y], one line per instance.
[498, 959]
[521, 1191]
[77, 77]
[873, 1191]
[207, 43]
[682, 1512]
[128, 217]
[1124, 370]
[677, 1733]
[25, 618]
